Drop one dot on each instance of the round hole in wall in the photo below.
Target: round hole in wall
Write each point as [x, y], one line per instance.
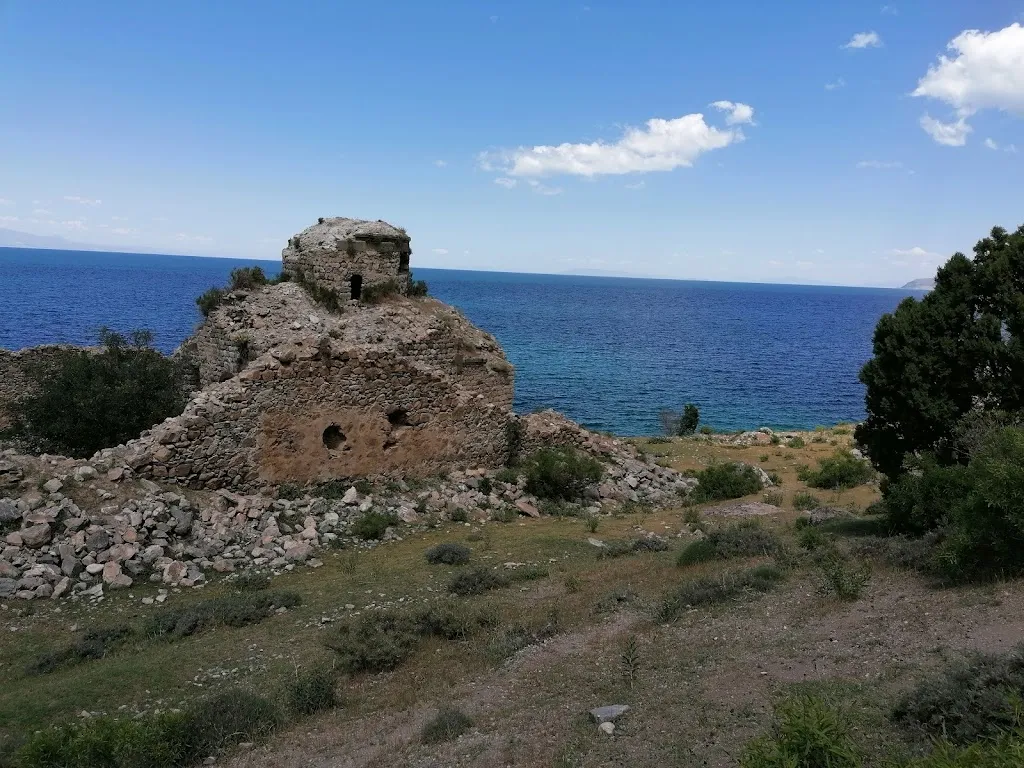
[333, 437]
[398, 417]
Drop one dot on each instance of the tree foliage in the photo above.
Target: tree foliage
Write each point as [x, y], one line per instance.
[93, 400]
[959, 349]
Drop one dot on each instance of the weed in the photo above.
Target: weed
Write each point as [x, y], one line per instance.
[746, 539]
[476, 581]
[507, 475]
[810, 538]
[448, 553]
[842, 577]
[632, 546]
[448, 724]
[795, 443]
[775, 498]
[373, 524]
[614, 600]
[459, 515]
[511, 640]
[710, 590]
[232, 610]
[804, 501]
[93, 644]
[485, 486]
[592, 522]
[573, 584]
[312, 692]
[376, 641]
[630, 660]
[763, 458]
[807, 733]
[251, 581]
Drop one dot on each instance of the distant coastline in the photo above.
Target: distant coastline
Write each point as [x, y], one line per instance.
[921, 284]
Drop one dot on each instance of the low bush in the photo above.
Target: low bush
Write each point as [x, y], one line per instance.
[804, 501]
[842, 577]
[710, 590]
[806, 733]
[810, 538]
[634, 546]
[745, 539]
[312, 691]
[164, 740]
[560, 473]
[838, 471]
[448, 553]
[448, 724]
[1004, 751]
[90, 400]
[376, 641]
[378, 292]
[476, 581]
[898, 551]
[252, 581]
[971, 699]
[614, 600]
[232, 611]
[210, 299]
[511, 640]
[373, 524]
[725, 481]
[775, 498]
[453, 620]
[795, 443]
[92, 644]
[417, 288]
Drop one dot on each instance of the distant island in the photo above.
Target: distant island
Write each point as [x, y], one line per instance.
[921, 284]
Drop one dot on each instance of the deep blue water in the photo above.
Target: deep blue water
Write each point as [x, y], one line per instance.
[608, 352]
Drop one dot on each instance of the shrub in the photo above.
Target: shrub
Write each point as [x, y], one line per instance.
[971, 699]
[210, 299]
[93, 644]
[230, 718]
[448, 553]
[920, 500]
[807, 733]
[725, 481]
[376, 641]
[247, 278]
[460, 515]
[448, 724]
[707, 430]
[476, 581]
[452, 620]
[795, 442]
[1004, 751]
[804, 501]
[312, 691]
[511, 640]
[746, 539]
[840, 470]
[93, 400]
[775, 498]
[232, 610]
[251, 581]
[417, 288]
[710, 590]
[689, 420]
[377, 292]
[632, 546]
[373, 524]
[560, 473]
[842, 577]
[810, 538]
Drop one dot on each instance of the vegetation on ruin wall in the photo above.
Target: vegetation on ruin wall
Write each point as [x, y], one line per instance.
[93, 399]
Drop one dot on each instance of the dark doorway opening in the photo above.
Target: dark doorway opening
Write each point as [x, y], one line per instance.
[333, 437]
[398, 417]
[403, 262]
[356, 282]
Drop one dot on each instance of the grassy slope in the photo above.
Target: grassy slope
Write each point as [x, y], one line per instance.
[704, 685]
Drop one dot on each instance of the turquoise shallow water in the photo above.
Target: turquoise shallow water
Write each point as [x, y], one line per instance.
[608, 352]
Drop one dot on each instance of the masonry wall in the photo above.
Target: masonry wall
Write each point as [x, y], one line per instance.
[332, 263]
[307, 414]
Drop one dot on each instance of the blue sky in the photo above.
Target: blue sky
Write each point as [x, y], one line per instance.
[518, 135]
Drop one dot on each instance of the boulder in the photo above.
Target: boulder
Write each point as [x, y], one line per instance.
[53, 485]
[36, 536]
[9, 512]
[10, 474]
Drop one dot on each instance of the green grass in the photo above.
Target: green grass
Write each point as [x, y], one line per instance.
[710, 590]
[746, 539]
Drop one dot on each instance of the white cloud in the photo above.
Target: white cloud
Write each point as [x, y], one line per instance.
[864, 40]
[880, 164]
[504, 181]
[76, 224]
[890, 10]
[440, 251]
[661, 145]
[543, 189]
[837, 83]
[494, 19]
[440, 163]
[5, 201]
[739, 114]
[986, 73]
[637, 185]
[82, 200]
[991, 144]
[9, 219]
[947, 134]
[917, 252]
[1011, 148]
[42, 212]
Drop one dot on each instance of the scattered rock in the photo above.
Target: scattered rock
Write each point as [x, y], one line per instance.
[36, 536]
[53, 486]
[609, 713]
[607, 728]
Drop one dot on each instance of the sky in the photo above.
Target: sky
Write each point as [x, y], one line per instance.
[849, 143]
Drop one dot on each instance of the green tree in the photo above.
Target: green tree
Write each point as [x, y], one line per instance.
[92, 400]
[689, 420]
[959, 349]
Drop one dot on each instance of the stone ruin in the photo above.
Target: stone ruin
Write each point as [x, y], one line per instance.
[293, 391]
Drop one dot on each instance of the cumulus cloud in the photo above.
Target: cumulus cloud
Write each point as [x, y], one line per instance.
[82, 200]
[890, 10]
[984, 71]
[991, 144]
[739, 114]
[504, 181]
[661, 145]
[836, 84]
[880, 164]
[864, 40]
[987, 72]
[440, 251]
[946, 134]
[994, 145]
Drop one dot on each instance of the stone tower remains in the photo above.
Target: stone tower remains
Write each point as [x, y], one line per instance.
[347, 256]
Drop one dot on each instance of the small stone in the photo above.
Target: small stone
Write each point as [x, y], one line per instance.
[351, 496]
[53, 486]
[609, 713]
[607, 728]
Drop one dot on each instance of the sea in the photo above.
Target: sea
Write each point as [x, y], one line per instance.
[610, 352]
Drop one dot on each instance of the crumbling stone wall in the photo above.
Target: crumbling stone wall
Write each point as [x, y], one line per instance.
[318, 409]
[347, 256]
